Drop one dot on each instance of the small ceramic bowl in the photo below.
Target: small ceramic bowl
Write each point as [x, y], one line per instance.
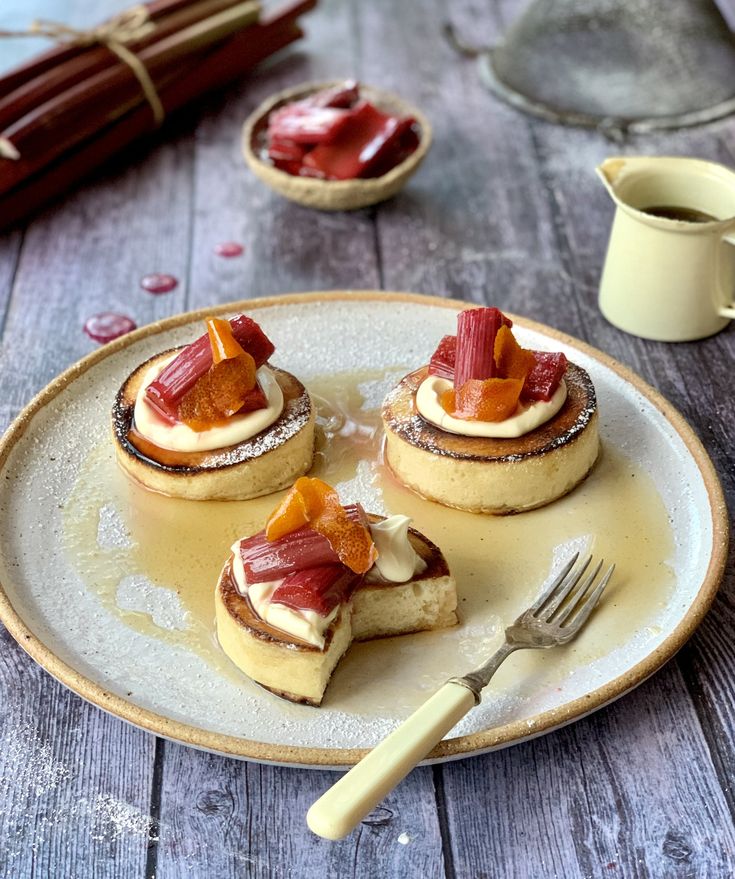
[332, 195]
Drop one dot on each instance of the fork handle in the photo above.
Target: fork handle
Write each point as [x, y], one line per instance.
[340, 809]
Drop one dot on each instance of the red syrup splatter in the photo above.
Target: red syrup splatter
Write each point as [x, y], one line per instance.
[229, 249]
[107, 326]
[158, 283]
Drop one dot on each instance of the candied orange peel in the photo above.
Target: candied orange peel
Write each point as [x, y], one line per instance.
[312, 502]
[511, 360]
[226, 386]
[490, 399]
[222, 341]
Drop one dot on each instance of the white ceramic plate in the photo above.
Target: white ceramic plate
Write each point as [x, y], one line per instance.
[668, 532]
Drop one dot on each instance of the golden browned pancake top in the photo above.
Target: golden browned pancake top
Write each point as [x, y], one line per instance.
[402, 418]
[295, 415]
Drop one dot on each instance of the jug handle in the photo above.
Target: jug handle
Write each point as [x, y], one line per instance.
[728, 310]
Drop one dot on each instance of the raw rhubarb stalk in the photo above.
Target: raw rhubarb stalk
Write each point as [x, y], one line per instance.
[545, 376]
[165, 393]
[476, 331]
[318, 589]
[265, 560]
[444, 358]
[366, 141]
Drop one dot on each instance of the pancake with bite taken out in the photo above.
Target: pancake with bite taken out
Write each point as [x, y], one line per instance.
[300, 671]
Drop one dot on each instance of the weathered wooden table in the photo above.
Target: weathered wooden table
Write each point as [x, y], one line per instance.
[506, 210]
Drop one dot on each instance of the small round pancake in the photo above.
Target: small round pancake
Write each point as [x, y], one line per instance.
[267, 462]
[492, 475]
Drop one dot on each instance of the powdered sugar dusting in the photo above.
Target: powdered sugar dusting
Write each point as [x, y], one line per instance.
[136, 592]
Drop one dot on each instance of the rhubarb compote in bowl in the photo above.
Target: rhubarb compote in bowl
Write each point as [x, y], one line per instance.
[342, 147]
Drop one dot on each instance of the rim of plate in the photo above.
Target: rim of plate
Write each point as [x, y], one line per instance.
[465, 745]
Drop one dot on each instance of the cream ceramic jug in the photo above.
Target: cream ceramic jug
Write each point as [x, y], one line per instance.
[668, 278]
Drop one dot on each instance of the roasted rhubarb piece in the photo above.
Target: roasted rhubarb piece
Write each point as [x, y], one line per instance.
[346, 94]
[166, 392]
[444, 358]
[334, 135]
[307, 125]
[545, 376]
[265, 560]
[317, 589]
[368, 138]
[476, 331]
[312, 502]
[491, 372]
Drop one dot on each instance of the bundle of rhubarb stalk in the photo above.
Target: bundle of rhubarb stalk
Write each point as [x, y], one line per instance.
[73, 107]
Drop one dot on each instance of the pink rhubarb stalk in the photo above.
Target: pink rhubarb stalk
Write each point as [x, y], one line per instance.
[165, 393]
[319, 589]
[476, 331]
[305, 548]
[545, 376]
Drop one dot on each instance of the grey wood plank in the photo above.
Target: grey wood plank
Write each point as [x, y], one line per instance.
[694, 376]
[10, 244]
[288, 248]
[608, 796]
[80, 257]
[74, 782]
[551, 188]
[87, 255]
[475, 222]
[225, 818]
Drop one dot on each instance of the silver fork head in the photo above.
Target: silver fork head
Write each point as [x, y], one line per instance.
[563, 608]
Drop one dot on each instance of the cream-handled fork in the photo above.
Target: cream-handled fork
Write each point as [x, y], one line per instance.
[554, 619]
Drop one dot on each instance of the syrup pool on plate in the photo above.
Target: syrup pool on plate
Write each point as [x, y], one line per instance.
[154, 560]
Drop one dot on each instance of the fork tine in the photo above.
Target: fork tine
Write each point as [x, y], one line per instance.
[578, 596]
[557, 582]
[548, 611]
[589, 603]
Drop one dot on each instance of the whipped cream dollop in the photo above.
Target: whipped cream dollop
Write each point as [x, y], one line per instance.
[398, 562]
[527, 417]
[181, 438]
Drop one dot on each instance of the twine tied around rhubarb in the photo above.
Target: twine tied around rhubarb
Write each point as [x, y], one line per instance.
[128, 26]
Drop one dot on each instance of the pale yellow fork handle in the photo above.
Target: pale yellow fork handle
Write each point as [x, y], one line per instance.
[345, 804]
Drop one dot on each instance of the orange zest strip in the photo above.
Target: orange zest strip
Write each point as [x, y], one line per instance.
[491, 399]
[289, 515]
[511, 360]
[219, 393]
[312, 502]
[222, 341]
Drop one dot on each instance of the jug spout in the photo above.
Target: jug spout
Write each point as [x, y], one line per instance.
[617, 168]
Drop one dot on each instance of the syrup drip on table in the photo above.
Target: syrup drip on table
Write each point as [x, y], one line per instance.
[154, 560]
[158, 283]
[229, 249]
[107, 325]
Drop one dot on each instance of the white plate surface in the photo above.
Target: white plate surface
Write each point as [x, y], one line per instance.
[64, 624]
